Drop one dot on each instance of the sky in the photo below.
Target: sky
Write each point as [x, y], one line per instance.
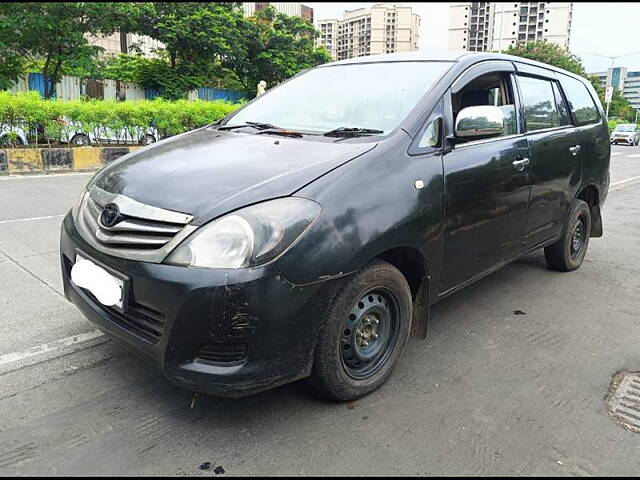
[604, 28]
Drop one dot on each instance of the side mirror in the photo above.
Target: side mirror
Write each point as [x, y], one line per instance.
[479, 122]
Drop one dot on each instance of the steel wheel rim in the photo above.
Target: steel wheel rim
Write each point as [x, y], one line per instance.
[369, 333]
[578, 238]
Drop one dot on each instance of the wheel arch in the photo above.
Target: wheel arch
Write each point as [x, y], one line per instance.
[412, 265]
[590, 194]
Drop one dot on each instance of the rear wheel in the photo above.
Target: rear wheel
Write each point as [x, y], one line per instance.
[147, 139]
[568, 252]
[364, 333]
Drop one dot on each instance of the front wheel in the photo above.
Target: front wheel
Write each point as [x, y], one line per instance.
[80, 140]
[568, 253]
[365, 331]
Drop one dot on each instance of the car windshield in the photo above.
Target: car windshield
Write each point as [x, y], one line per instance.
[625, 128]
[372, 96]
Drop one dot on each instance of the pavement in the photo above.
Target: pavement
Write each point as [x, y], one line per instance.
[489, 392]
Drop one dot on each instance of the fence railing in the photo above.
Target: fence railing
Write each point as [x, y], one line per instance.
[72, 88]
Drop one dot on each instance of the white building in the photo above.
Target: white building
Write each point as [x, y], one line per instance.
[120, 42]
[383, 28]
[494, 26]
[622, 79]
[290, 8]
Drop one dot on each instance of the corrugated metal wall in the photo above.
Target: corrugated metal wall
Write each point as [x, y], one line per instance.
[71, 88]
[220, 94]
[68, 88]
[36, 82]
[22, 85]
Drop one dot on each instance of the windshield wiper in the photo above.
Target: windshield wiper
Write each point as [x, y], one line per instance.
[280, 131]
[351, 132]
[258, 125]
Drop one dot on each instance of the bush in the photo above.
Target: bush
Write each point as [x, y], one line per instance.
[60, 119]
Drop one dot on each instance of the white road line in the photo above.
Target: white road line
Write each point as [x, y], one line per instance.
[45, 175]
[31, 219]
[616, 153]
[9, 360]
[626, 180]
[634, 155]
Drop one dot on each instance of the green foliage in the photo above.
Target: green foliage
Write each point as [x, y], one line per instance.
[61, 119]
[276, 47]
[52, 35]
[547, 52]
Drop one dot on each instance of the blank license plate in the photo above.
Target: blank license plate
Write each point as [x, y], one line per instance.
[104, 286]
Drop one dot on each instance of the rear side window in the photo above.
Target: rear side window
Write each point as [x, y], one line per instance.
[563, 112]
[580, 102]
[540, 110]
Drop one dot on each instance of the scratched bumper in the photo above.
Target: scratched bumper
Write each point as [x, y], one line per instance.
[276, 320]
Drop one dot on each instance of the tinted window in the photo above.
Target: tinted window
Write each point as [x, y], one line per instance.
[540, 109]
[580, 102]
[563, 111]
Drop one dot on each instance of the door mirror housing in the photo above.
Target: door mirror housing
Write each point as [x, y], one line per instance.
[479, 122]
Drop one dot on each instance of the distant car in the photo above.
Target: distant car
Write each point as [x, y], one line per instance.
[627, 133]
[78, 137]
[11, 136]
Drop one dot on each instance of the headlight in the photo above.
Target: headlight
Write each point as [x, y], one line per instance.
[248, 237]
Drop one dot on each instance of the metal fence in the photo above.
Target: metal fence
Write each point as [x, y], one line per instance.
[72, 88]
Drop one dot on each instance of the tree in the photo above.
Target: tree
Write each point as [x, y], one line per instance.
[547, 52]
[12, 64]
[52, 35]
[277, 47]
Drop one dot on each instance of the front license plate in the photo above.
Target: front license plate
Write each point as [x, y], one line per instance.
[106, 287]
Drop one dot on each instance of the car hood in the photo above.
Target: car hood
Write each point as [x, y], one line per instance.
[208, 172]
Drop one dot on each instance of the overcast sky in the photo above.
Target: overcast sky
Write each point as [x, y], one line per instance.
[605, 28]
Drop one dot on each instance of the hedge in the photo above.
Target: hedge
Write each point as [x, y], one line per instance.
[59, 119]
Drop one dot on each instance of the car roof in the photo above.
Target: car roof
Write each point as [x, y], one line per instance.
[468, 58]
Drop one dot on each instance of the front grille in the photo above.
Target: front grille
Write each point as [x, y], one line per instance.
[138, 232]
[141, 321]
[131, 232]
[222, 353]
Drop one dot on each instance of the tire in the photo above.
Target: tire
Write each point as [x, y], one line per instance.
[568, 253]
[147, 139]
[368, 323]
[6, 142]
[80, 140]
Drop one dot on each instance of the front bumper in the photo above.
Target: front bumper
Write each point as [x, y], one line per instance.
[171, 313]
[627, 140]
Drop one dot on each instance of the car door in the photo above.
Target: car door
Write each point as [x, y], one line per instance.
[554, 155]
[486, 196]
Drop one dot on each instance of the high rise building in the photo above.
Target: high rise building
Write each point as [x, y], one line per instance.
[290, 8]
[494, 26]
[624, 80]
[121, 42]
[382, 28]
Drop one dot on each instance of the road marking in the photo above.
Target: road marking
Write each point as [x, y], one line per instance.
[616, 153]
[8, 362]
[31, 219]
[626, 180]
[634, 155]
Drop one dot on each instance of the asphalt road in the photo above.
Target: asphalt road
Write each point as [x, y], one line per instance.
[488, 392]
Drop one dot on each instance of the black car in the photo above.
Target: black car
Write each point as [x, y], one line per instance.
[307, 233]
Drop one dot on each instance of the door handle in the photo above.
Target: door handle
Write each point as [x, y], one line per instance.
[574, 150]
[520, 165]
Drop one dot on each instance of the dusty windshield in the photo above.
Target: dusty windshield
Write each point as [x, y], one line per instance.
[373, 96]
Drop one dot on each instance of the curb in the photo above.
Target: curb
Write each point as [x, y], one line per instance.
[42, 160]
